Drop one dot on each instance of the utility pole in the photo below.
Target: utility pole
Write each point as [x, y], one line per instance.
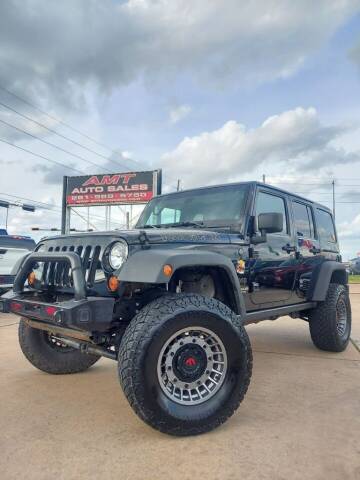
[333, 195]
[263, 178]
[178, 185]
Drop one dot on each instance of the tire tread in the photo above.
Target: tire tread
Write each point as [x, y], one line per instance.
[140, 332]
[322, 321]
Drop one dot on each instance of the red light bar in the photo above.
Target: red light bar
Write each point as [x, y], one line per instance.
[15, 306]
[50, 310]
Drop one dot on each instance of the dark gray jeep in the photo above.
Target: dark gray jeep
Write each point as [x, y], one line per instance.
[170, 299]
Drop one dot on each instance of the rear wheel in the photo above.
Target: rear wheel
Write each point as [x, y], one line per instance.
[49, 354]
[185, 364]
[330, 321]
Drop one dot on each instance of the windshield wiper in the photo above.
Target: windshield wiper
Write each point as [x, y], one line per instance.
[178, 224]
[188, 224]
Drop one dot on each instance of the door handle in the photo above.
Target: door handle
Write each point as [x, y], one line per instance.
[289, 248]
[315, 250]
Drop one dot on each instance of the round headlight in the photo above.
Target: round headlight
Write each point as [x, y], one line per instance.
[118, 254]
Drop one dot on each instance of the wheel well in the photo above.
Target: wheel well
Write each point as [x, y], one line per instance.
[189, 279]
[339, 276]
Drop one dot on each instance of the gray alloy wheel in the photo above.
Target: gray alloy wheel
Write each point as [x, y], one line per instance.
[192, 365]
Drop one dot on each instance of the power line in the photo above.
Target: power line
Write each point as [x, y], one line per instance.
[79, 157]
[41, 156]
[61, 135]
[85, 219]
[61, 122]
[54, 207]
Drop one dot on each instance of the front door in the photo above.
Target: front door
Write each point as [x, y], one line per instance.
[273, 268]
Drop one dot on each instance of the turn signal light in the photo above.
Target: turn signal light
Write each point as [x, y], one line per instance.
[168, 270]
[113, 283]
[31, 278]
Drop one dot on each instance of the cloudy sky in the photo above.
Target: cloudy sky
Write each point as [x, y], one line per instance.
[211, 91]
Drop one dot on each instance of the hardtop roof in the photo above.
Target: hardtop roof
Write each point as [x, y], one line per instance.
[253, 183]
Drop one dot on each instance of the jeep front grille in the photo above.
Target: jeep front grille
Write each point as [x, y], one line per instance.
[58, 274]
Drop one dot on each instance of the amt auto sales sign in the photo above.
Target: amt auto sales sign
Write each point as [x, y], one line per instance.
[117, 188]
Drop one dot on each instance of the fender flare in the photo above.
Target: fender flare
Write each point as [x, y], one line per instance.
[321, 279]
[146, 266]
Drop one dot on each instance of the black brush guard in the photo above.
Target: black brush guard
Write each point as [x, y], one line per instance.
[90, 314]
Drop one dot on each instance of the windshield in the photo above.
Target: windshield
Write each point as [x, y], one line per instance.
[212, 207]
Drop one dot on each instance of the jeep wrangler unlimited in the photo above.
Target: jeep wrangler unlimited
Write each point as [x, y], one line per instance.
[169, 300]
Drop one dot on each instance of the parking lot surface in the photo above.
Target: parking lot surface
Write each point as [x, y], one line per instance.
[299, 420]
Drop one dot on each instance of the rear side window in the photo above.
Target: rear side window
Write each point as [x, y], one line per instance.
[325, 226]
[304, 225]
[268, 203]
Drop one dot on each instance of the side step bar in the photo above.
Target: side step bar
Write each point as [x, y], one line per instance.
[274, 313]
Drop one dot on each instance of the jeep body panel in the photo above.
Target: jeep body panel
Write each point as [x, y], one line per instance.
[150, 263]
[286, 272]
[324, 273]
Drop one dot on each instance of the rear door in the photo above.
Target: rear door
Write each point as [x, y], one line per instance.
[272, 271]
[307, 242]
[327, 234]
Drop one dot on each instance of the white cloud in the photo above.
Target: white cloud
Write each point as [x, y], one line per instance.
[53, 50]
[350, 229]
[179, 113]
[295, 140]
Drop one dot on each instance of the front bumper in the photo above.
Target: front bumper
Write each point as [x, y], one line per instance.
[80, 312]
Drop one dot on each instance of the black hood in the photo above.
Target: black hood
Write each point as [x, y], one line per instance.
[156, 236]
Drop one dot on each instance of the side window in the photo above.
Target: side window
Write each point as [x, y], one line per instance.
[304, 225]
[268, 203]
[325, 226]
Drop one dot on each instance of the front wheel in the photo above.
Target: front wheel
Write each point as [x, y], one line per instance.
[185, 364]
[49, 354]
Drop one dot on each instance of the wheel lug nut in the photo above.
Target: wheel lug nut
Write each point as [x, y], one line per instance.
[169, 368]
[194, 340]
[172, 354]
[210, 358]
[186, 385]
[175, 380]
[207, 372]
[198, 382]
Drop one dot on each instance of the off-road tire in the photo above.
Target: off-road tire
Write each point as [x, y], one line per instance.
[139, 353]
[324, 320]
[38, 349]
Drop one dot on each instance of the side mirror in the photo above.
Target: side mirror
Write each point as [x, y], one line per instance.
[268, 223]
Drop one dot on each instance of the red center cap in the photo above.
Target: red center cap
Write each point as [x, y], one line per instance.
[190, 362]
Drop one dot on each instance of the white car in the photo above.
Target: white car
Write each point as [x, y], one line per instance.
[13, 248]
